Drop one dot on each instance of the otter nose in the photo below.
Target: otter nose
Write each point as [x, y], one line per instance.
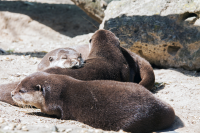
[12, 93]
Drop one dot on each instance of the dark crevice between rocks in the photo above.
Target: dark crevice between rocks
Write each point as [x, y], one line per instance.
[67, 19]
[172, 50]
[187, 15]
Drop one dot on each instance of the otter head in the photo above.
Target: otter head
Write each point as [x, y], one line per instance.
[66, 58]
[31, 90]
[102, 38]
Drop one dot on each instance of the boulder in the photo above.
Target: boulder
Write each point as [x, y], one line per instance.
[165, 32]
[93, 8]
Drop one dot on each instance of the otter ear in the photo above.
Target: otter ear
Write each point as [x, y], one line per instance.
[39, 88]
[80, 56]
[90, 40]
[50, 58]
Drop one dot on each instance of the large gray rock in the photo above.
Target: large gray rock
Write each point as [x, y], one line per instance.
[165, 32]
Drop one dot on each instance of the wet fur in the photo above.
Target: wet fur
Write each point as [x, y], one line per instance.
[109, 105]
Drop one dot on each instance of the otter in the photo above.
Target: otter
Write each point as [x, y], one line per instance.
[5, 91]
[109, 105]
[141, 71]
[105, 60]
[61, 57]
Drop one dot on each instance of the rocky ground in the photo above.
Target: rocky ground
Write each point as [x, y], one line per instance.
[30, 29]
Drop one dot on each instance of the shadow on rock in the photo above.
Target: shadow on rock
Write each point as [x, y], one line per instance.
[158, 86]
[41, 114]
[66, 19]
[32, 54]
[186, 72]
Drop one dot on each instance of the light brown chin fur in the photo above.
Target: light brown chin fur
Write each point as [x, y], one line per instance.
[33, 99]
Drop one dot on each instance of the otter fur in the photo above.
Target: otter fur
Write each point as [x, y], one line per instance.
[61, 57]
[105, 60]
[109, 105]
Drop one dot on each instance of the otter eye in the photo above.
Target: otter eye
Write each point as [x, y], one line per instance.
[90, 40]
[38, 87]
[22, 91]
[50, 58]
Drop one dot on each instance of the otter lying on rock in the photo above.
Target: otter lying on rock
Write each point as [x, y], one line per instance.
[61, 57]
[139, 71]
[109, 105]
[105, 60]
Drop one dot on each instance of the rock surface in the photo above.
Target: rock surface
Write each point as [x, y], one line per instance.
[94, 8]
[165, 32]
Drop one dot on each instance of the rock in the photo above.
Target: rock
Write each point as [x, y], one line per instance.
[98, 131]
[93, 8]
[68, 130]
[10, 127]
[165, 32]
[24, 128]
[6, 128]
[2, 120]
[2, 51]
[54, 129]
[19, 127]
[61, 130]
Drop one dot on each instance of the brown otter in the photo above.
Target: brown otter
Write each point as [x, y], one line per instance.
[105, 60]
[140, 69]
[5, 90]
[61, 57]
[83, 49]
[109, 105]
